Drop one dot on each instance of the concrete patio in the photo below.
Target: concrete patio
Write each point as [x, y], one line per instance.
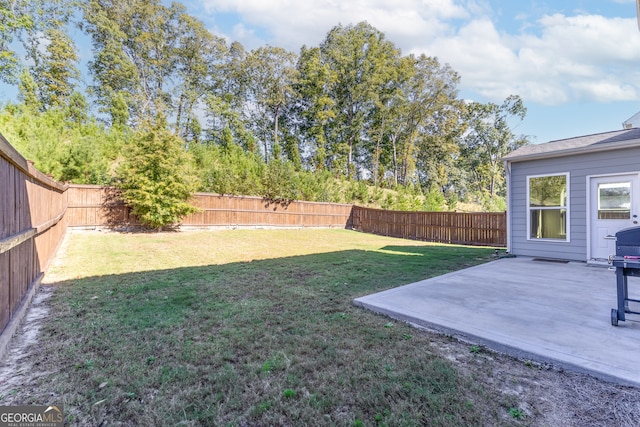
[538, 310]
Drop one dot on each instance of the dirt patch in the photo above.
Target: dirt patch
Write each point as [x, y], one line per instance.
[16, 370]
[544, 394]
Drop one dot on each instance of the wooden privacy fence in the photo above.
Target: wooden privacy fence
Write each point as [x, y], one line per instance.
[95, 206]
[32, 225]
[231, 211]
[477, 228]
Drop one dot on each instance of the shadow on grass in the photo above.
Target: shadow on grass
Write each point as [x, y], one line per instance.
[273, 342]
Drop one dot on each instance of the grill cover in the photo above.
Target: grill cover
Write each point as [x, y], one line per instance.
[628, 242]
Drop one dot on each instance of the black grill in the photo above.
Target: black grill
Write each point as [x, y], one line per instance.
[628, 242]
[627, 263]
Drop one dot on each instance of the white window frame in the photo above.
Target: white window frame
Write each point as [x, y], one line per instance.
[528, 207]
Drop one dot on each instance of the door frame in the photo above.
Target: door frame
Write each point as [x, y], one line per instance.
[590, 196]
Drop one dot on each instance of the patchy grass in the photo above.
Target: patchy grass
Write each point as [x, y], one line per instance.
[249, 328]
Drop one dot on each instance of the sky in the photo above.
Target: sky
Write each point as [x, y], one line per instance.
[575, 63]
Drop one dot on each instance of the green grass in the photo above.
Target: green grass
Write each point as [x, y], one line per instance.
[248, 327]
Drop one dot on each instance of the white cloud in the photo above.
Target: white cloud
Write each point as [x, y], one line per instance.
[292, 23]
[605, 90]
[242, 32]
[552, 59]
[585, 57]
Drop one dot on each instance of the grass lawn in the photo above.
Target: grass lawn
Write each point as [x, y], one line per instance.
[248, 328]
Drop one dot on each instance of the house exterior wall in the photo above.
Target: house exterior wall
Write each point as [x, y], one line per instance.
[579, 167]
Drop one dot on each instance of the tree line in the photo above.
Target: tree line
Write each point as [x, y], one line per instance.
[343, 121]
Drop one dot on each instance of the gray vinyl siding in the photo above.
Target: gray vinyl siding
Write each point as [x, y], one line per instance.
[579, 167]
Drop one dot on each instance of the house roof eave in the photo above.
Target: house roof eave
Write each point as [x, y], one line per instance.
[571, 151]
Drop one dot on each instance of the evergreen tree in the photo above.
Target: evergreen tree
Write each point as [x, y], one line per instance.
[155, 178]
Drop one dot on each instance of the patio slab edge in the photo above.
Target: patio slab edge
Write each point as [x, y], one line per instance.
[494, 345]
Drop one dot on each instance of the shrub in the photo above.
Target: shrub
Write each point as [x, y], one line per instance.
[434, 200]
[229, 170]
[280, 181]
[156, 178]
[357, 192]
[319, 186]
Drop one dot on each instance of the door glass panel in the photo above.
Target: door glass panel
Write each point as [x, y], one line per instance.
[614, 200]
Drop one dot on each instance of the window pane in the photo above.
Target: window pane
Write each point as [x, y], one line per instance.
[548, 191]
[614, 200]
[548, 223]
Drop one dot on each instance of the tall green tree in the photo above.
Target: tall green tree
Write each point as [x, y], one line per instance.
[314, 106]
[233, 84]
[135, 44]
[115, 77]
[361, 61]
[384, 131]
[225, 124]
[417, 111]
[199, 58]
[51, 55]
[441, 125]
[13, 20]
[228, 121]
[270, 76]
[56, 73]
[489, 137]
[435, 111]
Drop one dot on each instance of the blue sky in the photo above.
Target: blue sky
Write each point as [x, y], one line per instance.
[575, 63]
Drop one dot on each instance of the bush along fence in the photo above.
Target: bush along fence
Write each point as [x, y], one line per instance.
[477, 228]
[32, 225]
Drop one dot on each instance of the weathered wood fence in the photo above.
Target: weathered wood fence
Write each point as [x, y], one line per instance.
[95, 206]
[32, 225]
[477, 228]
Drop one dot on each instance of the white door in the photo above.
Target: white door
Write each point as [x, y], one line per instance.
[614, 206]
